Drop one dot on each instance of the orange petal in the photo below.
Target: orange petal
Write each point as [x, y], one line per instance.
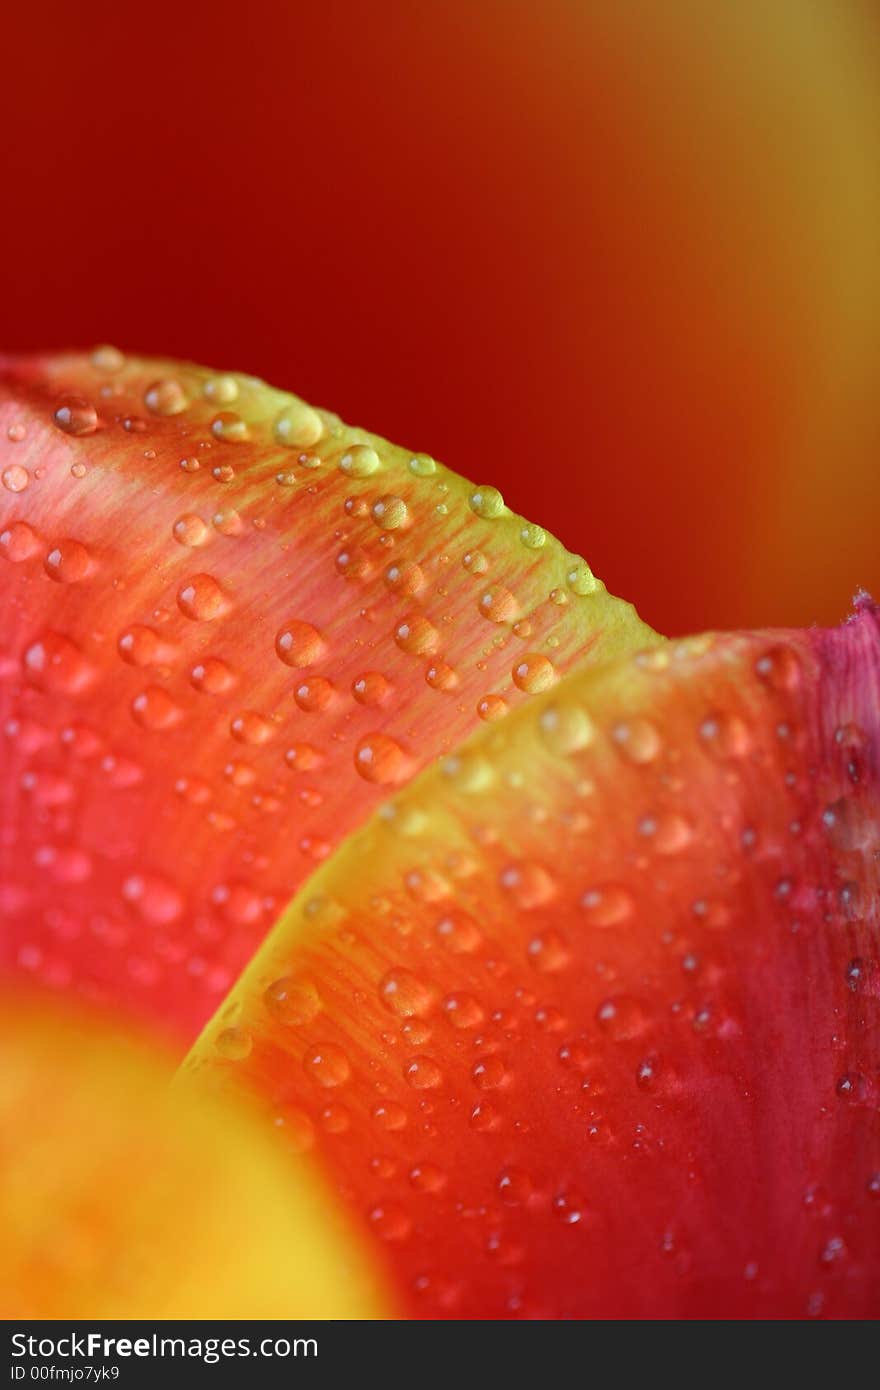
[586, 1021]
[232, 625]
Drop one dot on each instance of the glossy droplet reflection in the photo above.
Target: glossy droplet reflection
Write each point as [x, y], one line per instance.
[201, 598]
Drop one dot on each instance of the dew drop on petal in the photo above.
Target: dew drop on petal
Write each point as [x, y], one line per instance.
[533, 673]
[201, 598]
[299, 644]
[166, 397]
[76, 416]
[67, 562]
[379, 758]
[486, 502]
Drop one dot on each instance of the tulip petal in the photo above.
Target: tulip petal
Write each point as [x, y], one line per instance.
[120, 1199]
[585, 1022]
[230, 626]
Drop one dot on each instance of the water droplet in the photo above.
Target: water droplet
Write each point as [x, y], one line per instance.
[234, 1044]
[422, 1073]
[459, 933]
[427, 1177]
[498, 605]
[227, 522]
[637, 740]
[489, 1072]
[142, 646]
[360, 461]
[405, 578]
[107, 359]
[190, 530]
[527, 885]
[327, 1064]
[335, 1118]
[404, 994]
[390, 1116]
[485, 1117]
[475, 562]
[379, 758]
[607, 905]
[193, 790]
[54, 663]
[440, 676]
[851, 1087]
[390, 512]
[299, 644]
[240, 774]
[621, 1018]
[314, 694]
[548, 952]
[463, 1010]
[67, 562]
[166, 397]
[298, 426]
[580, 578]
[15, 478]
[646, 1073]
[422, 466]
[155, 899]
[416, 635]
[229, 427]
[76, 416]
[533, 673]
[18, 542]
[211, 676]
[514, 1187]
[565, 729]
[667, 832]
[532, 536]
[491, 707]
[303, 757]
[251, 727]
[238, 903]
[850, 823]
[778, 668]
[154, 709]
[371, 689]
[293, 1002]
[725, 736]
[487, 502]
[354, 563]
[220, 390]
[569, 1207]
[390, 1221]
[201, 598]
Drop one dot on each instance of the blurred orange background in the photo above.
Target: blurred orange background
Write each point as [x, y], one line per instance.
[619, 260]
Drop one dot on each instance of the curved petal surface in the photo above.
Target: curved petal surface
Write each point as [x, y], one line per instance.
[231, 626]
[585, 1022]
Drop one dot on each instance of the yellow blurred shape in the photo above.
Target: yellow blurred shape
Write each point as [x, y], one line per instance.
[122, 1198]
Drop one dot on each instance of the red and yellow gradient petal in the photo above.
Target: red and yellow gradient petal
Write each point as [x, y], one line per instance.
[231, 626]
[120, 1198]
[585, 1022]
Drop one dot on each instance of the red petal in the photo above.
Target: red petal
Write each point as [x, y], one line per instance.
[588, 1024]
[230, 625]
